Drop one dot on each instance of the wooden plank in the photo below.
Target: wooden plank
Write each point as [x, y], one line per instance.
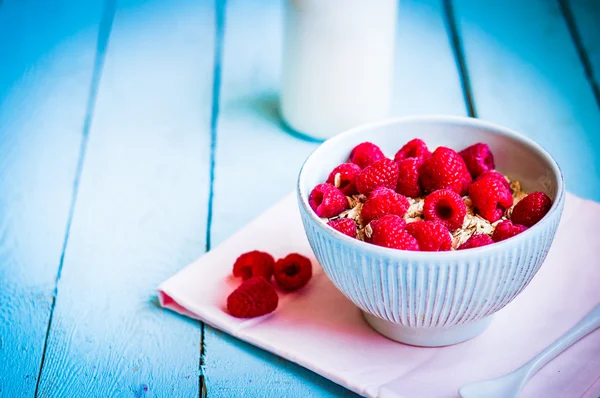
[582, 16]
[47, 52]
[526, 74]
[427, 80]
[257, 161]
[141, 211]
[253, 156]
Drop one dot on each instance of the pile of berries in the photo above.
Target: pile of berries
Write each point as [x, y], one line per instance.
[423, 200]
[256, 295]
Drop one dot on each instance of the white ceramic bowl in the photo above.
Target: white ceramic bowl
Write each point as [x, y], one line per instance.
[434, 298]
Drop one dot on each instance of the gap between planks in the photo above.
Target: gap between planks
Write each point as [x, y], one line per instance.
[220, 7]
[567, 12]
[102, 44]
[457, 48]
[459, 56]
[104, 30]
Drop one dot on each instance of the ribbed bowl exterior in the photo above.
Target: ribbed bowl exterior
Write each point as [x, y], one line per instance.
[435, 290]
[443, 289]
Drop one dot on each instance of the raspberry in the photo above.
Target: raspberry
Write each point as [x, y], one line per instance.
[413, 149]
[490, 197]
[445, 207]
[254, 297]
[388, 231]
[382, 173]
[476, 240]
[366, 154]
[347, 226]
[496, 175]
[445, 169]
[531, 209]
[254, 263]
[327, 201]
[348, 173]
[478, 159]
[383, 201]
[408, 177]
[432, 237]
[506, 229]
[293, 271]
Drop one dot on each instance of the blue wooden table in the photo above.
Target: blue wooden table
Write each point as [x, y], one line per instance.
[136, 135]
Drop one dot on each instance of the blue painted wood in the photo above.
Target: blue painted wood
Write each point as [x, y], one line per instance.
[47, 54]
[142, 206]
[526, 74]
[586, 29]
[257, 160]
[427, 80]
[248, 120]
[141, 211]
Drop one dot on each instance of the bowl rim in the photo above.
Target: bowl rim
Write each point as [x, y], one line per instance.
[419, 255]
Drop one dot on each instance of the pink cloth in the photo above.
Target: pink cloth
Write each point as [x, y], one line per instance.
[323, 331]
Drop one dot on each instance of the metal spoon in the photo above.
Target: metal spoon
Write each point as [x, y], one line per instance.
[509, 385]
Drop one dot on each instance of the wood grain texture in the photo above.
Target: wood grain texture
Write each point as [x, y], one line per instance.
[47, 54]
[526, 74]
[257, 160]
[141, 211]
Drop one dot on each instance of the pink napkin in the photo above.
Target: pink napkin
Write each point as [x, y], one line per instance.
[323, 331]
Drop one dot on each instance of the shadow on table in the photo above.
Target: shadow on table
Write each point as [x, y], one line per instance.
[266, 107]
[155, 304]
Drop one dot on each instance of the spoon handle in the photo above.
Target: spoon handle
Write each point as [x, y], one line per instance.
[587, 325]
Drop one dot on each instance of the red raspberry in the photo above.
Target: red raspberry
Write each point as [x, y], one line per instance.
[347, 226]
[254, 263]
[445, 207]
[382, 173]
[388, 231]
[383, 201]
[254, 297]
[293, 271]
[348, 173]
[478, 159]
[531, 209]
[413, 149]
[476, 240]
[408, 177]
[506, 229]
[490, 197]
[366, 154]
[445, 169]
[327, 201]
[432, 237]
[496, 175]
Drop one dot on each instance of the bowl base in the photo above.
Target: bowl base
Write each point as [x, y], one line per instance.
[428, 337]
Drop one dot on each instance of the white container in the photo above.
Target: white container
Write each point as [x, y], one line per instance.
[338, 64]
